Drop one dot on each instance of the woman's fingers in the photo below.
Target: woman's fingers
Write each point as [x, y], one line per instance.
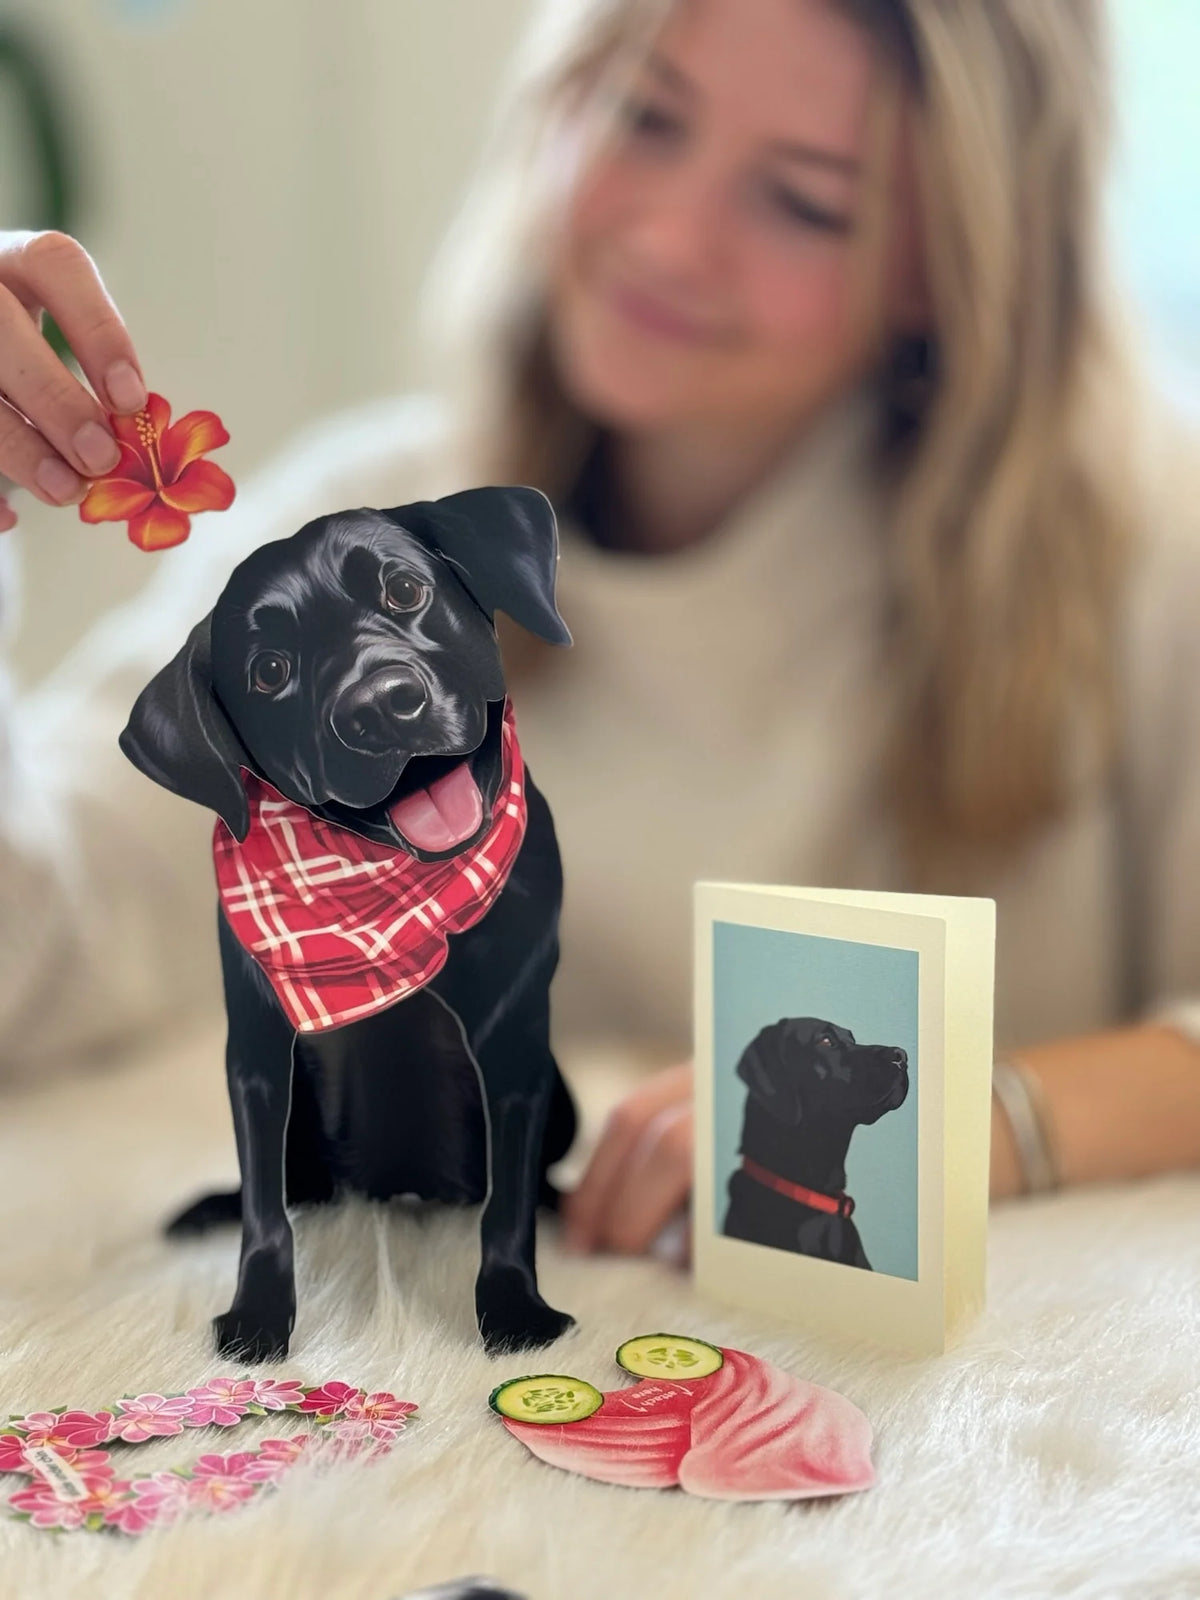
[54, 434]
[8, 517]
[28, 460]
[655, 1183]
[587, 1210]
[584, 1208]
[53, 270]
[36, 383]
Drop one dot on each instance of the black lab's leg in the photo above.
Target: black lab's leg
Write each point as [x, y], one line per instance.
[512, 1314]
[259, 1067]
[498, 984]
[561, 1123]
[517, 1072]
[308, 1179]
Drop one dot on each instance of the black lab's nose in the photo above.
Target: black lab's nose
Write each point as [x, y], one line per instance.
[369, 715]
[899, 1058]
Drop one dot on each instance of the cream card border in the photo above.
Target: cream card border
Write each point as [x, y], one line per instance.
[954, 941]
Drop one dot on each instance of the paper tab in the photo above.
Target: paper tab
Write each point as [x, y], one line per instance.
[59, 1474]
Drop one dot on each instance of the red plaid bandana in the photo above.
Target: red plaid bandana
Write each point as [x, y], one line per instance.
[343, 926]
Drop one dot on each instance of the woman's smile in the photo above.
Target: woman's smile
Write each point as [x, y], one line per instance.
[648, 313]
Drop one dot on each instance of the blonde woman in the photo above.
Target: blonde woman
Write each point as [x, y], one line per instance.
[797, 310]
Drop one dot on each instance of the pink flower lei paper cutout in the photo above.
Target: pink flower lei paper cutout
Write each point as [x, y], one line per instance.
[75, 1484]
[740, 1430]
[161, 480]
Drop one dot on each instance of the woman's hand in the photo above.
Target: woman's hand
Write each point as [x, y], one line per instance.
[640, 1173]
[54, 435]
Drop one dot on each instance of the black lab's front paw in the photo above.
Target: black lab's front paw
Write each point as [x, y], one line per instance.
[514, 1317]
[252, 1337]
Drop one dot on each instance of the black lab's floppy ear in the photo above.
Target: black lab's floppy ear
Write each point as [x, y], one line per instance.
[503, 544]
[764, 1070]
[179, 735]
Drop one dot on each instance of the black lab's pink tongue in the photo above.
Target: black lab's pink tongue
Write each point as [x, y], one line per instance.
[443, 815]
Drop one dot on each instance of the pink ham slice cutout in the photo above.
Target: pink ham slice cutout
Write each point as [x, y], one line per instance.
[638, 1437]
[747, 1432]
[760, 1434]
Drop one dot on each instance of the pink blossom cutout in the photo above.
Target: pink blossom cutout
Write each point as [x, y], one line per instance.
[330, 1399]
[68, 1430]
[272, 1459]
[277, 1395]
[45, 1510]
[152, 1416]
[219, 1482]
[221, 1402]
[159, 1499]
[380, 1408]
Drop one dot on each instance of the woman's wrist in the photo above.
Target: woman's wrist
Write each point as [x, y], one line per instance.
[1117, 1106]
[1005, 1177]
[1026, 1115]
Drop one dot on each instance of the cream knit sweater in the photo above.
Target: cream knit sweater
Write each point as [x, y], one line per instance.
[720, 715]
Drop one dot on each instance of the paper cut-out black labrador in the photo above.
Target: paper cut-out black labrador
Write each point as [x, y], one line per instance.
[810, 1085]
[343, 710]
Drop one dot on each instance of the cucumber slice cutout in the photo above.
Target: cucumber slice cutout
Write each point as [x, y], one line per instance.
[546, 1397]
[669, 1355]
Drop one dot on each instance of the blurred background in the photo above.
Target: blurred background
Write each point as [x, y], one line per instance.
[264, 184]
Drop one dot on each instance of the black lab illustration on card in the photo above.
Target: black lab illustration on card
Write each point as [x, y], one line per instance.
[810, 1085]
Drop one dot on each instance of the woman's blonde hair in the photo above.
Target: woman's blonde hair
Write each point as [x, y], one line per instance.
[1011, 489]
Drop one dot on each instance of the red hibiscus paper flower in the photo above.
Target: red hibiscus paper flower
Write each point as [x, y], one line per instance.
[161, 480]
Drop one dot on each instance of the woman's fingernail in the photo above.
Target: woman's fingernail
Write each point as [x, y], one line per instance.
[59, 482]
[125, 388]
[97, 448]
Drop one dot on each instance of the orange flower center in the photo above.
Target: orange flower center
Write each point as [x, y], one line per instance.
[149, 442]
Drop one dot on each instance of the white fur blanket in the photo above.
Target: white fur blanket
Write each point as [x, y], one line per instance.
[1056, 1451]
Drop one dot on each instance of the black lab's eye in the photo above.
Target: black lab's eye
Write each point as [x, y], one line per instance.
[826, 1040]
[269, 671]
[402, 593]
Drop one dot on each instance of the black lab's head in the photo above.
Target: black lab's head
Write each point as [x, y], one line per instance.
[803, 1068]
[355, 667]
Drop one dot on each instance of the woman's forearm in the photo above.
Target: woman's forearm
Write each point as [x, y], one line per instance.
[1119, 1105]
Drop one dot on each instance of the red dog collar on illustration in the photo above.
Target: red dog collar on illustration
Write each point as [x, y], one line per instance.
[837, 1205]
[75, 1484]
[342, 926]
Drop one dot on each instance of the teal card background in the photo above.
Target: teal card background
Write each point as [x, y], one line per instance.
[761, 975]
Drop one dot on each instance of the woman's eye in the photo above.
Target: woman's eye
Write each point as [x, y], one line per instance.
[270, 671]
[797, 208]
[647, 120]
[402, 593]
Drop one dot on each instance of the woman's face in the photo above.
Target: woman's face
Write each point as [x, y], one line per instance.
[714, 265]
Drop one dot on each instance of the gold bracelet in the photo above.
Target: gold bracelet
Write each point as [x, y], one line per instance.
[1020, 1093]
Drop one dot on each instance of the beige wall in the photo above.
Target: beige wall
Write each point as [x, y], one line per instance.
[266, 181]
